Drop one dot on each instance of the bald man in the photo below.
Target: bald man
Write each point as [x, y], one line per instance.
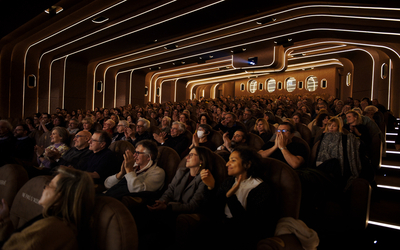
[78, 155]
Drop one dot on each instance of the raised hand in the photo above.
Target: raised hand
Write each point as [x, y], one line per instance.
[207, 178]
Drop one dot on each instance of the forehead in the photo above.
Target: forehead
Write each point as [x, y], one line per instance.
[95, 136]
[239, 133]
[286, 127]
[140, 148]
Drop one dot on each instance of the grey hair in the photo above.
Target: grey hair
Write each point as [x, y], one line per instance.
[125, 123]
[146, 123]
[182, 126]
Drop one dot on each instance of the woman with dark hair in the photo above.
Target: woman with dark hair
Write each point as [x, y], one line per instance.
[68, 202]
[203, 137]
[320, 124]
[205, 119]
[242, 203]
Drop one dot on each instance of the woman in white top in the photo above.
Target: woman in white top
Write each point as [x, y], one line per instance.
[243, 204]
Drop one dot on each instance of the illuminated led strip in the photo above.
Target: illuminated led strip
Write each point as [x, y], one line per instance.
[391, 133]
[48, 37]
[210, 40]
[102, 29]
[215, 89]
[390, 141]
[382, 224]
[392, 152]
[316, 50]
[390, 166]
[388, 187]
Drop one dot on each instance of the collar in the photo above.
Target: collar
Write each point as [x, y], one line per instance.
[149, 164]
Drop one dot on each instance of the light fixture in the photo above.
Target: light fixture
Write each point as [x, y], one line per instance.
[100, 19]
[54, 10]
[236, 51]
[266, 20]
[171, 46]
[252, 61]
[178, 63]
[154, 68]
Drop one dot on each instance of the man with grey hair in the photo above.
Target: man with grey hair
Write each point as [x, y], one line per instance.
[142, 130]
[121, 127]
[176, 140]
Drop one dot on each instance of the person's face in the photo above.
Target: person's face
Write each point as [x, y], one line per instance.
[86, 125]
[246, 115]
[99, 115]
[19, 132]
[351, 119]
[238, 136]
[304, 109]
[260, 126]
[129, 132]
[296, 119]
[339, 105]
[279, 112]
[55, 137]
[120, 128]
[175, 130]
[129, 119]
[81, 140]
[229, 120]
[234, 165]
[73, 124]
[114, 118]
[106, 125]
[192, 160]
[49, 194]
[140, 127]
[219, 111]
[325, 121]
[36, 120]
[166, 113]
[45, 118]
[333, 127]
[284, 130]
[203, 120]
[164, 121]
[94, 144]
[141, 157]
[182, 118]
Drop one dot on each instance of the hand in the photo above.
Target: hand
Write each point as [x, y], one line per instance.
[158, 206]
[227, 141]
[207, 178]
[53, 154]
[39, 150]
[4, 210]
[195, 140]
[122, 172]
[282, 141]
[129, 160]
[235, 187]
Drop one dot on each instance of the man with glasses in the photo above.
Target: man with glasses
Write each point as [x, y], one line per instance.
[103, 162]
[239, 138]
[121, 127]
[73, 126]
[139, 172]
[283, 148]
[177, 140]
[142, 131]
[77, 156]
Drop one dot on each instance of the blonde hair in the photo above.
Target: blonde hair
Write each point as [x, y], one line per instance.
[338, 122]
[355, 114]
[265, 123]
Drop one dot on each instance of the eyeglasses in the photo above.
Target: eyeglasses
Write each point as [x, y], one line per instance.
[139, 126]
[282, 130]
[191, 155]
[96, 141]
[139, 153]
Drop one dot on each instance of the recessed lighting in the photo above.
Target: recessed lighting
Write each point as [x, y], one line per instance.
[54, 10]
[100, 19]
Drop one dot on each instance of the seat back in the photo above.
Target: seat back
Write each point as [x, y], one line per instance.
[12, 178]
[168, 159]
[44, 140]
[114, 227]
[286, 185]
[216, 138]
[25, 206]
[255, 141]
[119, 148]
[305, 133]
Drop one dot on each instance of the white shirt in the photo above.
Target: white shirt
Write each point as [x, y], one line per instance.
[244, 189]
[150, 178]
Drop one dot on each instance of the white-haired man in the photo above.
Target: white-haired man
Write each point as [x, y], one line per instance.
[177, 140]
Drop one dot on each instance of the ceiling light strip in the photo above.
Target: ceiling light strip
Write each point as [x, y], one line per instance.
[383, 224]
[389, 84]
[390, 166]
[388, 187]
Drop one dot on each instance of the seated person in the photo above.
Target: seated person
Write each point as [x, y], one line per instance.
[177, 140]
[108, 126]
[77, 156]
[262, 129]
[59, 137]
[88, 125]
[73, 126]
[103, 162]
[283, 148]
[129, 133]
[68, 202]
[24, 145]
[184, 195]
[228, 125]
[122, 125]
[201, 138]
[139, 172]
[354, 125]
[240, 204]
[142, 130]
[239, 138]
